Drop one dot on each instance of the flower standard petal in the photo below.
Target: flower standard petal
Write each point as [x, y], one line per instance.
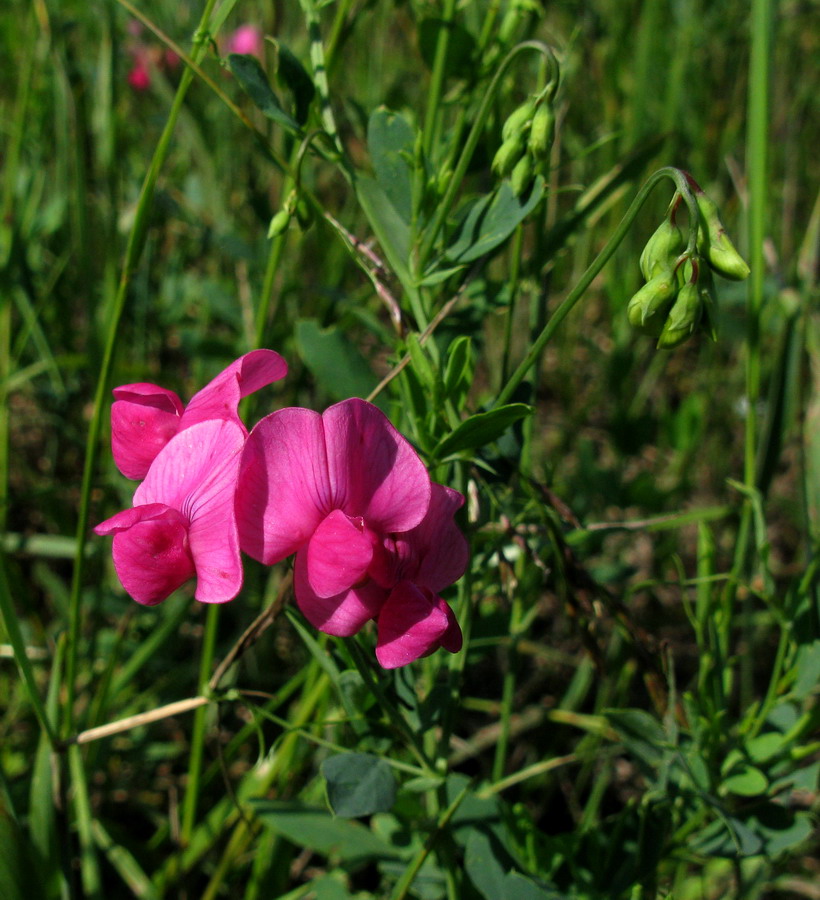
[220, 398]
[144, 417]
[374, 472]
[412, 624]
[342, 614]
[283, 492]
[151, 554]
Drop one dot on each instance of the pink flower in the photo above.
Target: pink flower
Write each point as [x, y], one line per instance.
[183, 522]
[139, 77]
[373, 539]
[144, 417]
[246, 39]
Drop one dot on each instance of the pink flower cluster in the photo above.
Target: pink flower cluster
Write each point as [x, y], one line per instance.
[374, 538]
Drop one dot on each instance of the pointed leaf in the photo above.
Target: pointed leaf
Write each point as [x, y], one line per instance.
[482, 428]
[251, 76]
[391, 142]
[295, 76]
[359, 784]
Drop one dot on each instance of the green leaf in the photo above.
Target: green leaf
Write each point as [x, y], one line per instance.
[19, 877]
[392, 232]
[421, 364]
[487, 864]
[641, 733]
[727, 838]
[390, 142]
[295, 76]
[746, 782]
[481, 429]
[458, 371]
[807, 667]
[336, 364]
[339, 839]
[491, 220]
[359, 784]
[523, 888]
[253, 80]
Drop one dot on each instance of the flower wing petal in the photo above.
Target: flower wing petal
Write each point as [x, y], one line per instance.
[144, 417]
[151, 555]
[411, 624]
[338, 555]
[438, 544]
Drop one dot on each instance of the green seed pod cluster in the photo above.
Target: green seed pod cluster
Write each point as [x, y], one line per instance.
[662, 249]
[678, 298]
[527, 137]
[714, 243]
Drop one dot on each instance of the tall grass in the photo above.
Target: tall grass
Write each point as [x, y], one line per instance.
[635, 712]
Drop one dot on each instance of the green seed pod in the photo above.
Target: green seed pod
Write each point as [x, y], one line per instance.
[542, 132]
[508, 155]
[715, 244]
[648, 308]
[518, 120]
[521, 177]
[662, 249]
[279, 223]
[683, 319]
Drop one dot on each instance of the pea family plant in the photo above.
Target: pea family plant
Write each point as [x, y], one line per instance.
[481, 562]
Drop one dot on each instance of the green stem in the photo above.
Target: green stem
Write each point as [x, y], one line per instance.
[470, 145]
[133, 251]
[431, 117]
[319, 65]
[679, 178]
[198, 734]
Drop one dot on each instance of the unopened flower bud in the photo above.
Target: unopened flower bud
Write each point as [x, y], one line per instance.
[279, 223]
[662, 249]
[542, 132]
[518, 120]
[508, 155]
[648, 308]
[683, 319]
[714, 243]
[521, 177]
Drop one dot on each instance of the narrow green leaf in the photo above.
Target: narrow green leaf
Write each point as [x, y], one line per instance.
[491, 223]
[392, 232]
[421, 364]
[251, 76]
[19, 877]
[359, 784]
[641, 733]
[295, 76]
[339, 839]
[487, 864]
[482, 428]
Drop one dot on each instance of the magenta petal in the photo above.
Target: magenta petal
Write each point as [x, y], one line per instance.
[144, 417]
[126, 519]
[437, 544]
[374, 471]
[342, 615]
[151, 556]
[283, 492]
[197, 473]
[411, 624]
[338, 555]
[220, 398]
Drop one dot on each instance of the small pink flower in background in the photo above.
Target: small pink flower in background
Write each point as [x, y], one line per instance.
[139, 77]
[183, 522]
[247, 39]
[348, 494]
[144, 417]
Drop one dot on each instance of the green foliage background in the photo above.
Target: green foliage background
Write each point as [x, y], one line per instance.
[635, 712]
